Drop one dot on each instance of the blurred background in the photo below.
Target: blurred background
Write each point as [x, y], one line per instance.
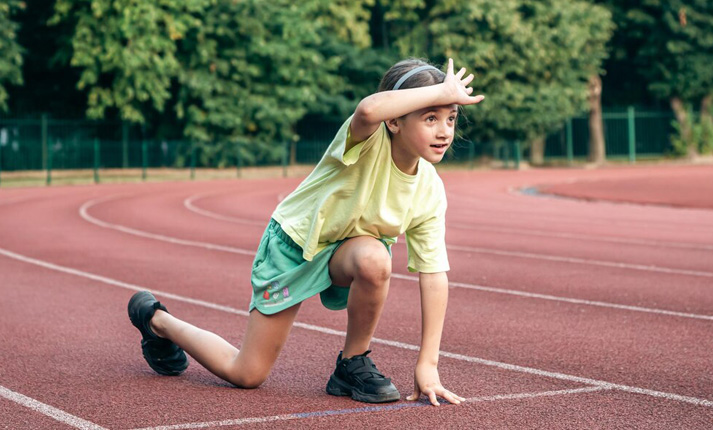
[107, 89]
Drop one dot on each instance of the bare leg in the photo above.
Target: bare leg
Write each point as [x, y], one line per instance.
[246, 368]
[364, 264]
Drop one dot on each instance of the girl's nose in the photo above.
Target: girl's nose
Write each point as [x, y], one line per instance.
[445, 130]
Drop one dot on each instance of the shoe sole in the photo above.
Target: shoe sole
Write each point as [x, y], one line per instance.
[336, 387]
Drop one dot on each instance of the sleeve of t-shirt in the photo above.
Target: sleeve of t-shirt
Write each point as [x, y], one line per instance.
[349, 155]
[426, 243]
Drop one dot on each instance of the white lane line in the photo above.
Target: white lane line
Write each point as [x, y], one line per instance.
[573, 260]
[579, 236]
[635, 221]
[366, 409]
[47, 410]
[84, 213]
[563, 299]
[531, 232]
[396, 344]
[188, 203]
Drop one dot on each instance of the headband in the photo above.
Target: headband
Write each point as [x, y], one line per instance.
[411, 73]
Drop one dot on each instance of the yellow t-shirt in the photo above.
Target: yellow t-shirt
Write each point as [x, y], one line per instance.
[361, 192]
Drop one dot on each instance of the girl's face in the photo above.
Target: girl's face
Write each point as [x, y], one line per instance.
[426, 133]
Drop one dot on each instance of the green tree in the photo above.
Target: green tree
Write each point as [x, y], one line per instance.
[676, 59]
[10, 50]
[532, 59]
[126, 50]
[250, 72]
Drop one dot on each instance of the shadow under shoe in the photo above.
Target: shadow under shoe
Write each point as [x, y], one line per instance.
[359, 378]
[162, 355]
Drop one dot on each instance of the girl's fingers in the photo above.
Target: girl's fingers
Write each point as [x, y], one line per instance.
[469, 90]
[432, 398]
[450, 67]
[452, 398]
[460, 73]
[416, 392]
[467, 80]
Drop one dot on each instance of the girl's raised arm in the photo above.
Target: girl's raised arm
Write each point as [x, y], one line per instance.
[386, 105]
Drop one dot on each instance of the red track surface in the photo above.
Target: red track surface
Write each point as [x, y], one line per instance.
[548, 295]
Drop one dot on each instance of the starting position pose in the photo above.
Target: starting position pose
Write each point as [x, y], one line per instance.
[332, 236]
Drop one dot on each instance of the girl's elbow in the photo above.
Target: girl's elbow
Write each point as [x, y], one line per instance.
[365, 111]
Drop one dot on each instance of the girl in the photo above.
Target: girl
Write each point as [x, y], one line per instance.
[333, 236]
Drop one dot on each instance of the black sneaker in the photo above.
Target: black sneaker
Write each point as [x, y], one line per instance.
[164, 356]
[358, 377]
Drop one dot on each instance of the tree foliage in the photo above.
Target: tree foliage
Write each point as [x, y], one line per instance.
[532, 59]
[669, 44]
[250, 72]
[677, 55]
[127, 50]
[10, 50]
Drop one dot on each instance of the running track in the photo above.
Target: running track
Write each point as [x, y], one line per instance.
[563, 313]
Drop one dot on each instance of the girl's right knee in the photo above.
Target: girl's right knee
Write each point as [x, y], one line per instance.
[248, 378]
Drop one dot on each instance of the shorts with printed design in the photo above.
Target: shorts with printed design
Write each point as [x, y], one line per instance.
[282, 278]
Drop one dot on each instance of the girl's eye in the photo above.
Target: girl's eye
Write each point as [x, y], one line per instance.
[452, 119]
[431, 118]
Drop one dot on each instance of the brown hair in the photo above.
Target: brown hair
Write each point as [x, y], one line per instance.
[423, 78]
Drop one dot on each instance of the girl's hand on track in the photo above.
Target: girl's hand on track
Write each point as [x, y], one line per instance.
[427, 382]
[457, 89]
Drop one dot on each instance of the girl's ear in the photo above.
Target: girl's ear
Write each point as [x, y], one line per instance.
[392, 125]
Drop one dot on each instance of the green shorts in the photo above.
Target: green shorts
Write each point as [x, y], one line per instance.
[282, 278]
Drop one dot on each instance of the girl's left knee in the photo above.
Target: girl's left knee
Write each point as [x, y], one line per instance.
[373, 264]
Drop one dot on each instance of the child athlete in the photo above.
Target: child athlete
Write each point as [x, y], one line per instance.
[333, 236]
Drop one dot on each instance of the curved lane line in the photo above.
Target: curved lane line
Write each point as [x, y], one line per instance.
[365, 409]
[188, 203]
[578, 236]
[553, 216]
[84, 213]
[49, 411]
[564, 299]
[574, 260]
[505, 366]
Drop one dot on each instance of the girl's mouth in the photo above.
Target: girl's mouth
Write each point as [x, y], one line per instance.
[442, 145]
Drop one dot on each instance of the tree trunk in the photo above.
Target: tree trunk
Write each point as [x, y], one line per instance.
[597, 148]
[537, 151]
[706, 113]
[684, 123]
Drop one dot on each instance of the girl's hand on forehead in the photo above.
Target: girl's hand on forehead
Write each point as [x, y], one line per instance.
[457, 89]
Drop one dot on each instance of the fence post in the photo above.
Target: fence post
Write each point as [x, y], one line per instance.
[43, 131]
[285, 155]
[632, 134]
[96, 160]
[239, 159]
[50, 153]
[506, 154]
[144, 158]
[193, 161]
[471, 154]
[124, 145]
[517, 155]
[0, 163]
[570, 143]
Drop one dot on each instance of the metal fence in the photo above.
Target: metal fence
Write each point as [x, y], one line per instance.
[46, 145]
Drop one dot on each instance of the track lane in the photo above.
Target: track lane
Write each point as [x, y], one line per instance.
[401, 316]
[165, 249]
[547, 275]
